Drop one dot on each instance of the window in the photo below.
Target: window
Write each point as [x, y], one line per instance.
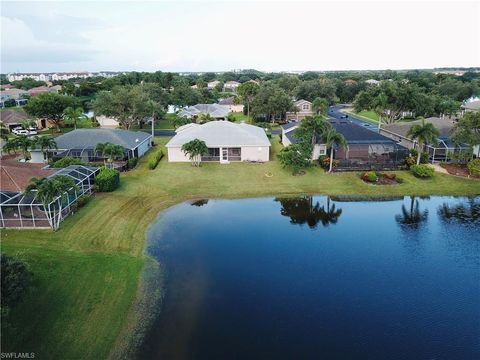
[322, 152]
[306, 107]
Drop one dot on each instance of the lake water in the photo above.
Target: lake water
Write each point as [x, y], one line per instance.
[318, 277]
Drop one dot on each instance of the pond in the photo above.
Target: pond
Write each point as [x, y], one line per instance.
[318, 277]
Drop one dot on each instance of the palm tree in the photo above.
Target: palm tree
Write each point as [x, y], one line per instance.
[333, 138]
[52, 193]
[73, 115]
[45, 143]
[423, 133]
[28, 123]
[312, 128]
[110, 151]
[22, 143]
[330, 215]
[320, 106]
[195, 149]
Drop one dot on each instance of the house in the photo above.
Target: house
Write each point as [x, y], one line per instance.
[366, 149]
[213, 84]
[231, 86]
[18, 95]
[13, 118]
[230, 102]
[398, 132]
[81, 143]
[471, 106]
[216, 111]
[44, 89]
[372, 82]
[304, 109]
[21, 209]
[226, 142]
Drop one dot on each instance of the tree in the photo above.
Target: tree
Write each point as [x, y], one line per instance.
[423, 133]
[3, 131]
[205, 117]
[412, 217]
[73, 115]
[28, 123]
[297, 156]
[117, 103]
[52, 193]
[247, 92]
[195, 149]
[49, 106]
[16, 279]
[154, 108]
[178, 121]
[271, 101]
[320, 106]
[322, 88]
[22, 143]
[333, 138]
[45, 143]
[311, 129]
[110, 151]
[467, 130]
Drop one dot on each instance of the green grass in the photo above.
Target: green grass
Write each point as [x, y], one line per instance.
[369, 116]
[87, 272]
[239, 117]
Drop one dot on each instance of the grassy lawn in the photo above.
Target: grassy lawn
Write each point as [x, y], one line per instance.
[369, 116]
[239, 117]
[87, 272]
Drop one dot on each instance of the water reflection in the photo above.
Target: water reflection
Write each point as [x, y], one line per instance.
[465, 213]
[303, 210]
[200, 202]
[412, 217]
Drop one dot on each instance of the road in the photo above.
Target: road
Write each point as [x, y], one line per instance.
[335, 113]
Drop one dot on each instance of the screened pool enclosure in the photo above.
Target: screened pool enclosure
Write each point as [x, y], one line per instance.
[25, 210]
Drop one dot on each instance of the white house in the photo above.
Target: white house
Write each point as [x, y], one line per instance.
[212, 84]
[226, 142]
[231, 86]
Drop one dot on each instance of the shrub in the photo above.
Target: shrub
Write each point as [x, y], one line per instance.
[154, 159]
[422, 171]
[67, 161]
[324, 162]
[412, 158]
[15, 280]
[131, 163]
[107, 179]
[399, 180]
[82, 201]
[390, 176]
[370, 176]
[474, 167]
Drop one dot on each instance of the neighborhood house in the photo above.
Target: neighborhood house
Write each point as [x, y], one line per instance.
[216, 111]
[81, 143]
[303, 109]
[226, 142]
[365, 148]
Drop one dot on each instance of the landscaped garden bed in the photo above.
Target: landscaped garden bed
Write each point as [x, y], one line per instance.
[462, 169]
[380, 178]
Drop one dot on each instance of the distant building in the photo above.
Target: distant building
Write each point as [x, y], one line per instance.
[213, 84]
[216, 111]
[231, 104]
[231, 86]
[303, 109]
[372, 82]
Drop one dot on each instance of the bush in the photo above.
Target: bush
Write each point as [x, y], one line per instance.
[82, 201]
[474, 167]
[67, 161]
[390, 176]
[422, 171]
[324, 162]
[107, 179]
[414, 154]
[131, 163]
[15, 280]
[154, 159]
[370, 176]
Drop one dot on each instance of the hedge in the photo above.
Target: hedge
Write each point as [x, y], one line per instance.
[107, 179]
[154, 159]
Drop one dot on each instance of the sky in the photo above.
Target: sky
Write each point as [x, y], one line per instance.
[55, 36]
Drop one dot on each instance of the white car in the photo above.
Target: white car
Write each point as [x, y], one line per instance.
[21, 132]
[32, 131]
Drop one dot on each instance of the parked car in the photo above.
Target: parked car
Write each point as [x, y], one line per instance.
[20, 132]
[32, 131]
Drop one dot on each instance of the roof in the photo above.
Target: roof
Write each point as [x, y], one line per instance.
[14, 93]
[227, 101]
[89, 138]
[289, 125]
[301, 101]
[222, 133]
[215, 110]
[473, 105]
[13, 116]
[444, 126]
[15, 175]
[353, 134]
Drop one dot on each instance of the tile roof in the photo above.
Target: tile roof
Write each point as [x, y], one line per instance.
[13, 116]
[289, 125]
[215, 110]
[444, 126]
[473, 105]
[89, 138]
[15, 175]
[222, 133]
